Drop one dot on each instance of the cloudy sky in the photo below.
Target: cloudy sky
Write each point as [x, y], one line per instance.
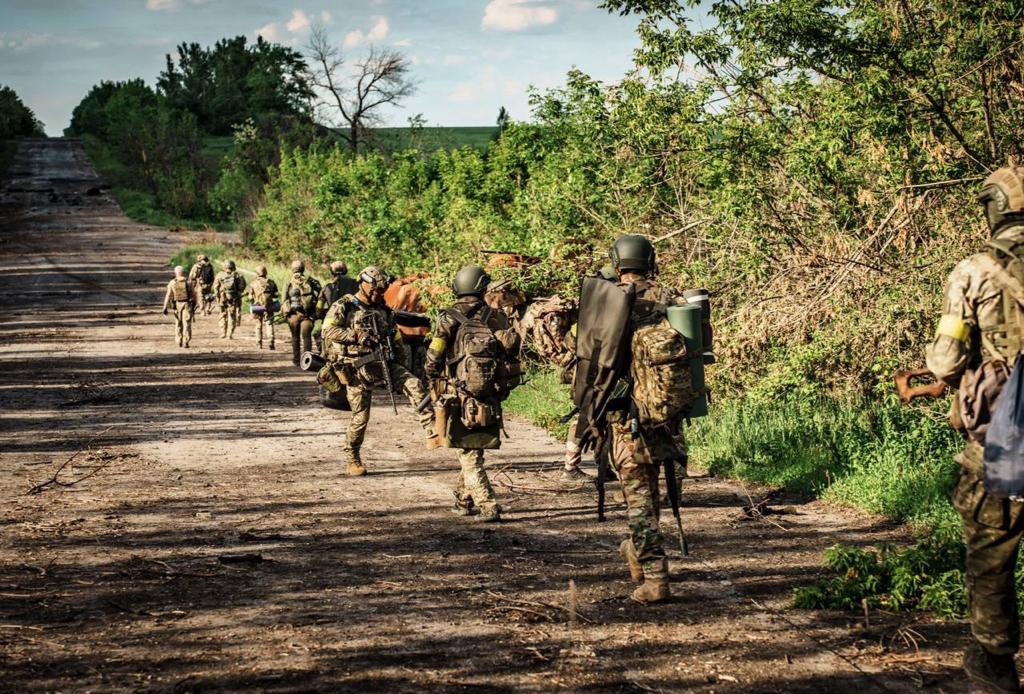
[469, 56]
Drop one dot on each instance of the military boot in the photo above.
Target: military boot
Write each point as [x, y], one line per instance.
[655, 585]
[434, 441]
[988, 672]
[628, 552]
[490, 513]
[463, 504]
[355, 465]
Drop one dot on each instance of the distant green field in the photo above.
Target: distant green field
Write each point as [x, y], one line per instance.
[430, 139]
[217, 145]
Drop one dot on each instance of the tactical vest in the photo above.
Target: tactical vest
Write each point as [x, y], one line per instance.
[1004, 337]
[180, 288]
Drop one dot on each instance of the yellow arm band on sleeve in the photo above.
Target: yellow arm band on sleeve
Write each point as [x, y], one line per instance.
[572, 330]
[952, 326]
[437, 345]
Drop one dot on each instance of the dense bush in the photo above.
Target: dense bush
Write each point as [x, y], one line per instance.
[16, 119]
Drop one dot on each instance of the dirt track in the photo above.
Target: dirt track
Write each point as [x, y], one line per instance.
[118, 582]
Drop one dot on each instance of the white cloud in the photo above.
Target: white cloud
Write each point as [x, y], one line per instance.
[352, 39]
[298, 22]
[271, 32]
[485, 85]
[326, 17]
[379, 31]
[454, 60]
[26, 41]
[404, 43]
[163, 5]
[516, 15]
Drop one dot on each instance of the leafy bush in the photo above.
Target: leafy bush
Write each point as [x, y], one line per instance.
[16, 119]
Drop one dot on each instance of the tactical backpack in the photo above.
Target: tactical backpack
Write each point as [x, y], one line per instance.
[229, 287]
[302, 296]
[180, 291]
[477, 353]
[662, 382]
[206, 273]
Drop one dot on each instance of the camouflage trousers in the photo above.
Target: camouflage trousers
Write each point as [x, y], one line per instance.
[360, 397]
[574, 454]
[202, 305]
[264, 324]
[230, 317]
[637, 462]
[183, 314]
[301, 329]
[993, 528]
[473, 481]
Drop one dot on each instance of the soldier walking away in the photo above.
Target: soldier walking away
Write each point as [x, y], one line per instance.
[201, 277]
[980, 334]
[229, 286]
[264, 304]
[299, 309]
[363, 348]
[472, 362]
[180, 298]
[340, 286]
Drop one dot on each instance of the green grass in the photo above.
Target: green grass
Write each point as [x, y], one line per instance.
[217, 146]
[542, 400]
[431, 139]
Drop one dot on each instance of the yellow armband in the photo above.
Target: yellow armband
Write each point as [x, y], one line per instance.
[438, 345]
[952, 326]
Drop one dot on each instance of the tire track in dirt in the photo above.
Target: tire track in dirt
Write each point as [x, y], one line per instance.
[220, 546]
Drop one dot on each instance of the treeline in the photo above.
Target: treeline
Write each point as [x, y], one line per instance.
[16, 119]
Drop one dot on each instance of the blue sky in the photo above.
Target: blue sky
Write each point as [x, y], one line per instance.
[469, 56]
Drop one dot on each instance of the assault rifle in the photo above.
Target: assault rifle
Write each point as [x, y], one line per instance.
[381, 350]
[918, 383]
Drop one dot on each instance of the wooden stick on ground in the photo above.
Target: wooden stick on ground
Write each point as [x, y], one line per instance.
[54, 482]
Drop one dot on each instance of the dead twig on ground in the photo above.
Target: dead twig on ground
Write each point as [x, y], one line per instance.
[55, 482]
[533, 603]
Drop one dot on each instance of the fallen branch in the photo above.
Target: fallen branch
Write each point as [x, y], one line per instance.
[532, 603]
[54, 482]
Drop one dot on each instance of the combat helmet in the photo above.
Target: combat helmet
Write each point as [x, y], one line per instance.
[471, 280]
[338, 267]
[201, 258]
[298, 266]
[228, 265]
[375, 277]
[1002, 196]
[632, 253]
[261, 270]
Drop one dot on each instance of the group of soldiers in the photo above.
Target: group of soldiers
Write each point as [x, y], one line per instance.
[470, 366]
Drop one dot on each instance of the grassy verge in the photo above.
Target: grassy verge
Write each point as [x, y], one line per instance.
[542, 400]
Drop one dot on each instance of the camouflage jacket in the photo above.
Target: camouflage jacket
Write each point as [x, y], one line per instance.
[263, 291]
[333, 291]
[225, 281]
[195, 274]
[343, 328]
[438, 352]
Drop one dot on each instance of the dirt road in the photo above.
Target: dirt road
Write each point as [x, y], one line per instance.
[136, 578]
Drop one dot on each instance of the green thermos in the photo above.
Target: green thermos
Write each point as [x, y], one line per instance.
[687, 321]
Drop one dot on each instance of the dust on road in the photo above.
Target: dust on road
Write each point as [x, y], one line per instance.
[216, 543]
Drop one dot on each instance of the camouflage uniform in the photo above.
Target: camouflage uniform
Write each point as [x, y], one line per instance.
[202, 289]
[980, 321]
[229, 286]
[341, 335]
[180, 298]
[263, 292]
[298, 307]
[474, 488]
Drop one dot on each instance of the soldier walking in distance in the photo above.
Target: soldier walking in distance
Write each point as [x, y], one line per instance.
[355, 326]
[340, 286]
[201, 277]
[980, 334]
[180, 298]
[469, 363]
[229, 286]
[263, 297]
[299, 309]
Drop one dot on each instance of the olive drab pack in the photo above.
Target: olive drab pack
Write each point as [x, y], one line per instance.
[660, 370]
[263, 291]
[229, 287]
[180, 290]
[302, 294]
[476, 354]
[206, 273]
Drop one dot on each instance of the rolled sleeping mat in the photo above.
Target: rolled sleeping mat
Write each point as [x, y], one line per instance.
[311, 361]
[257, 309]
[687, 321]
[702, 298]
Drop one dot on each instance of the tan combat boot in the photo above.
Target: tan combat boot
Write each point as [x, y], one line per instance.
[628, 552]
[355, 465]
[434, 441]
[654, 587]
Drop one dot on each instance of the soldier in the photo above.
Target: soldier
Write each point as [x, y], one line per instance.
[469, 334]
[299, 309]
[201, 277]
[332, 291]
[263, 297]
[349, 343]
[982, 326]
[229, 286]
[181, 297]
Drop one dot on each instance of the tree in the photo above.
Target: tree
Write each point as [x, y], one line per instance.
[354, 99]
[17, 119]
[503, 119]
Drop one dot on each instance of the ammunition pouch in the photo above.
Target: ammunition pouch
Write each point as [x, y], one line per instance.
[477, 414]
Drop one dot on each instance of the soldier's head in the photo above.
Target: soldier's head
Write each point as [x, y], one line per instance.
[228, 265]
[1002, 196]
[261, 270]
[339, 268]
[471, 280]
[179, 272]
[373, 282]
[201, 258]
[632, 253]
[298, 266]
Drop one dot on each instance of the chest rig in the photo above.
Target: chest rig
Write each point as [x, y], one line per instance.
[1005, 336]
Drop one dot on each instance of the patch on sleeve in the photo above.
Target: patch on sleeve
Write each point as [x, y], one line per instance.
[438, 345]
[952, 326]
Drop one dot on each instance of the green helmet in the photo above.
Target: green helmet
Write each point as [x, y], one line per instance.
[298, 266]
[375, 277]
[471, 280]
[632, 252]
[228, 265]
[261, 270]
[338, 267]
[1002, 195]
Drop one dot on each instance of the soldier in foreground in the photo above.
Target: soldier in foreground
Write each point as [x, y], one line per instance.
[201, 277]
[229, 286]
[180, 298]
[263, 297]
[359, 336]
[299, 309]
[979, 336]
[467, 362]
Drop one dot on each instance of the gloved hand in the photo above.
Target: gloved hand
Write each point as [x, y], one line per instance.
[165, 312]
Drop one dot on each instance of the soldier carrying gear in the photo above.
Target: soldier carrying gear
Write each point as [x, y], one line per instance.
[979, 337]
[201, 277]
[181, 297]
[229, 286]
[352, 331]
[263, 304]
[332, 291]
[298, 308]
[473, 366]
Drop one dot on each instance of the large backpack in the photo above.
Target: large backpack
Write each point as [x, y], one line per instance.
[476, 359]
[302, 296]
[229, 287]
[662, 381]
[206, 273]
